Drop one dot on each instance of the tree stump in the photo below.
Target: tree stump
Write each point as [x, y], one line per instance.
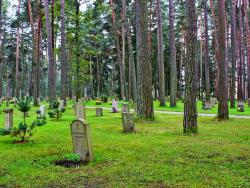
[128, 123]
[99, 112]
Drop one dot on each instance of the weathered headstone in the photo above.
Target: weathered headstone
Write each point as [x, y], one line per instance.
[1, 101]
[99, 112]
[128, 123]
[81, 138]
[80, 111]
[61, 105]
[125, 107]
[8, 118]
[114, 106]
[240, 106]
[15, 101]
[208, 106]
[42, 110]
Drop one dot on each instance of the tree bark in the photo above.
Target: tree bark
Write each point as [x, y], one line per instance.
[131, 63]
[190, 107]
[246, 4]
[173, 70]
[207, 59]
[64, 75]
[160, 54]
[223, 64]
[144, 69]
[233, 53]
[52, 66]
[17, 83]
[240, 62]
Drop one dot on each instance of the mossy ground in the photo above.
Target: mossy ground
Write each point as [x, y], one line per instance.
[157, 155]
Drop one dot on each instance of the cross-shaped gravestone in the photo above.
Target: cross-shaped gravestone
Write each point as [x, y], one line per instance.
[81, 138]
[8, 121]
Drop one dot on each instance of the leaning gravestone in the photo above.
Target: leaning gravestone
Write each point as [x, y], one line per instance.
[114, 106]
[240, 106]
[81, 138]
[8, 121]
[125, 107]
[80, 111]
[99, 112]
[208, 106]
[128, 123]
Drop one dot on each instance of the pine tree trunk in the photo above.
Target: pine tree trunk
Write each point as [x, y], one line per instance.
[240, 62]
[173, 70]
[1, 50]
[207, 59]
[131, 63]
[144, 69]
[233, 53]
[222, 64]
[160, 55]
[52, 66]
[190, 108]
[246, 8]
[17, 83]
[64, 75]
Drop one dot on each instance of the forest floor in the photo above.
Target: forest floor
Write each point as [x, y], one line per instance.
[157, 155]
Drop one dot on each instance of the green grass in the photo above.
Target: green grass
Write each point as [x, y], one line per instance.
[180, 107]
[157, 155]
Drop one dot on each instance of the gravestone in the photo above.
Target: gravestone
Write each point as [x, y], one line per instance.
[8, 118]
[125, 107]
[80, 111]
[99, 112]
[114, 106]
[42, 110]
[61, 105]
[128, 123]
[15, 101]
[81, 138]
[208, 106]
[1, 101]
[240, 106]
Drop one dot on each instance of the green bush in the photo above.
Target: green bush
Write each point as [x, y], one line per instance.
[72, 157]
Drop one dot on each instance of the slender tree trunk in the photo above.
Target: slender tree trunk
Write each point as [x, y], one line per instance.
[124, 45]
[190, 107]
[119, 53]
[173, 70]
[1, 49]
[144, 69]
[132, 63]
[240, 63]
[233, 53]
[160, 55]
[98, 76]
[64, 75]
[17, 83]
[246, 4]
[52, 66]
[223, 64]
[207, 59]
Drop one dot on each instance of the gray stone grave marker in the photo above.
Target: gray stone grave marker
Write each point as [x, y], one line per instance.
[128, 123]
[8, 118]
[81, 138]
[99, 112]
[80, 111]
